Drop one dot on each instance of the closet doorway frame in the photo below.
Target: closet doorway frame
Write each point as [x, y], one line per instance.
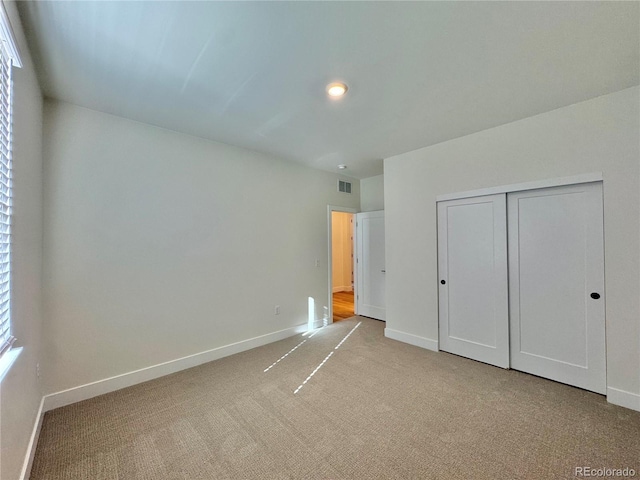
[516, 187]
[521, 187]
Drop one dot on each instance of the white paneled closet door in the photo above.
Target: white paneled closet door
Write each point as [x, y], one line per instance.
[472, 268]
[556, 284]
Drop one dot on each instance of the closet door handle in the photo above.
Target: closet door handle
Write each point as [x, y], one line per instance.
[442, 282]
[595, 295]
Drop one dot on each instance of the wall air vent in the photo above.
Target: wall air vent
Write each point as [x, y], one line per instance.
[344, 187]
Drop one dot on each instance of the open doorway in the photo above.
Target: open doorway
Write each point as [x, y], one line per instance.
[342, 265]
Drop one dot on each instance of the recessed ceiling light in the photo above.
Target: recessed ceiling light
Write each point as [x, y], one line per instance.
[337, 89]
[342, 166]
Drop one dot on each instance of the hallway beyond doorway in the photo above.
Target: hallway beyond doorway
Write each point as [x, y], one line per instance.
[342, 306]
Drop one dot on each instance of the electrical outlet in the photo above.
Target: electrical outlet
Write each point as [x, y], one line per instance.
[317, 262]
[276, 310]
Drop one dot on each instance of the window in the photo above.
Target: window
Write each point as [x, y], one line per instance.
[8, 58]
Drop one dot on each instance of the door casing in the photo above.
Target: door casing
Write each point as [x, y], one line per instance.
[573, 180]
[330, 209]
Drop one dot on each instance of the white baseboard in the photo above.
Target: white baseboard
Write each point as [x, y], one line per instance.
[33, 443]
[624, 399]
[411, 339]
[107, 385]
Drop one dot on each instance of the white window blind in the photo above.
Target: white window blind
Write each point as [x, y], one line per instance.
[6, 339]
[8, 57]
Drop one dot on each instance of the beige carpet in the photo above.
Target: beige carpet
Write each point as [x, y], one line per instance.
[376, 409]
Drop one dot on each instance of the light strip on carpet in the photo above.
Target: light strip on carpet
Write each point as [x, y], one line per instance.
[348, 334]
[326, 358]
[289, 352]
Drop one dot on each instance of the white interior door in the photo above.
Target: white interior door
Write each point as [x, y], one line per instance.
[556, 283]
[370, 280]
[472, 265]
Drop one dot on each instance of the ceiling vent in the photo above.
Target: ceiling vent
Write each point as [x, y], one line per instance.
[344, 187]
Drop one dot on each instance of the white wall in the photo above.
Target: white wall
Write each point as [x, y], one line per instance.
[341, 251]
[20, 392]
[160, 245]
[598, 135]
[372, 194]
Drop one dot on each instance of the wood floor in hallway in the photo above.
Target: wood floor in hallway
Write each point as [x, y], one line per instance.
[342, 306]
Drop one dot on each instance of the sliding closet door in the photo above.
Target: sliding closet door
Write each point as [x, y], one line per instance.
[556, 284]
[472, 266]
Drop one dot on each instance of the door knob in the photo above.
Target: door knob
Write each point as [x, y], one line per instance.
[442, 282]
[595, 295]
[383, 271]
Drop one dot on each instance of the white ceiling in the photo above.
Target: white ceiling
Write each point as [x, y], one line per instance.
[253, 73]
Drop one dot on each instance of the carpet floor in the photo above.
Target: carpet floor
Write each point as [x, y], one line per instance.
[376, 409]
